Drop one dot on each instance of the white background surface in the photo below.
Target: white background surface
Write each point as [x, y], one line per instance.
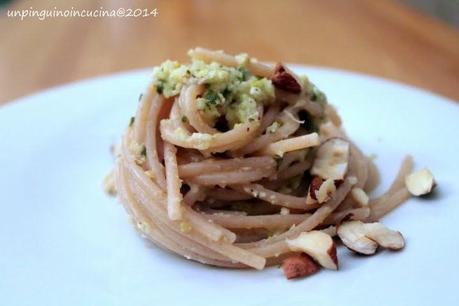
[63, 242]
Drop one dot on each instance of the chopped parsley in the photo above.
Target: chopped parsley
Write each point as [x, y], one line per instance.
[317, 95]
[245, 74]
[226, 93]
[160, 88]
[143, 152]
[278, 160]
[212, 97]
[131, 121]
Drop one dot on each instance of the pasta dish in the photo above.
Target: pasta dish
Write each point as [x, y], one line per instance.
[234, 163]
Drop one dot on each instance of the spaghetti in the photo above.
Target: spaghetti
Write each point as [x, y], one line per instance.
[227, 158]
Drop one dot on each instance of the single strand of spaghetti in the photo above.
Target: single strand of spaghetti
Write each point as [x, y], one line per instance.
[209, 56]
[176, 111]
[359, 163]
[227, 195]
[250, 235]
[164, 113]
[213, 211]
[330, 112]
[348, 203]
[151, 144]
[288, 127]
[329, 130]
[219, 142]
[269, 117]
[188, 104]
[405, 168]
[397, 185]
[291, 144]
[373, 176]
[294, 170]
[142, 113]
[241, 138]
[174, 197]
[189, 156]
[249, 131]
[291, 157]
[300, 103]
[314, 108]
[196, 193]
[382, 208]
[261, 221]
[232, 177]
[361, 214]
[275, 198]
[213, 165]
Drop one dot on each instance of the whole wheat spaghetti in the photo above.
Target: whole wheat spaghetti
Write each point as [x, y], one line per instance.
[228, 159]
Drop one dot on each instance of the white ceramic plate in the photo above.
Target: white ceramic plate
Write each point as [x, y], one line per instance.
[63, 242]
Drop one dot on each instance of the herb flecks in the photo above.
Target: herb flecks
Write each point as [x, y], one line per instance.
[245, 74]
[143, 152]
[160, 88]
[212, 97]
[278, 160]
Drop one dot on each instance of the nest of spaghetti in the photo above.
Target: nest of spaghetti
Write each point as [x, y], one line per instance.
[234, 163]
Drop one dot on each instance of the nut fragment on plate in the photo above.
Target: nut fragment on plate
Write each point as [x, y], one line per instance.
[284, 79]
[364, 238]
[420, 182]
[299, 265]
[318, 245]
[332, 159]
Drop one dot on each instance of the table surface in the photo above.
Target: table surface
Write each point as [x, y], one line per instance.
[383, 38]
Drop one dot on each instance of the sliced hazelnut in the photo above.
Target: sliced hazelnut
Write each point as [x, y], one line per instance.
[315, 184]
[325, 191]
[318, 245]
[332, 159]
[352, 234]
[364, 238]
[311, 197]
[360, 197]
[310, 200]
[385, 237]
[321, 190]
[284, 79]
[299, 265]
[420, 182]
